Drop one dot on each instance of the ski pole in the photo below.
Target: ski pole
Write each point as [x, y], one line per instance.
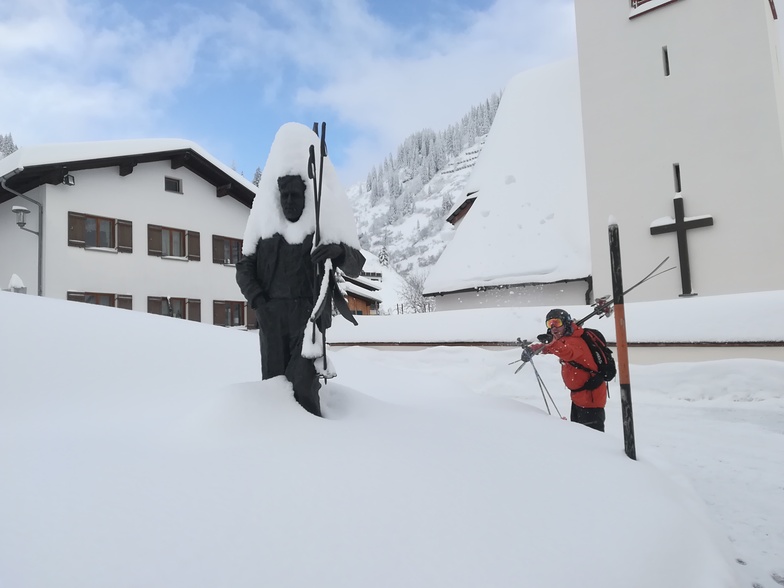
[544, 390]
[603, 305]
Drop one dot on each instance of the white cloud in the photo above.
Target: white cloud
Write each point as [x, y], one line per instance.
[74, 71]
[390, 96]
[81, 70]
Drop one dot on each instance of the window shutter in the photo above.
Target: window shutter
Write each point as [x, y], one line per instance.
[75, 229]
[194, 246]
[154, 240]
[251, 317]
[194, 310]
[217, 249]
[124, 236]
[124, 301]
[76, 296]
[219, 313]
[154, 304]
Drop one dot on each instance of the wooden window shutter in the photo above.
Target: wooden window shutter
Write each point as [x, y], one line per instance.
[154, 304]
[219, 313]
[125, 301]
[124, 236]
[217, 249]
[75, 229]
[154, 240]
[76, 296]
[194, 246]
[194, 310]
[251, 324]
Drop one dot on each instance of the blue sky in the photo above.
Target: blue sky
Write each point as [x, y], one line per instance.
[227, 75]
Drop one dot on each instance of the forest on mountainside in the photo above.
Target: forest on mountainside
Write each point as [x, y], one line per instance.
[402, 206]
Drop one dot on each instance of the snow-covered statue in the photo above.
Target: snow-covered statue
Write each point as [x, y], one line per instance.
[301, 227]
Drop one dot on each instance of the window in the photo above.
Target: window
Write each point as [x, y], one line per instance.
[173, 242]
[226, 250]
[96, 232]
[666, 60]
[172, 185]
[228, 313]
[640, 6]
[169, 242]
[103, 299]
[184, 308]
[676, 176]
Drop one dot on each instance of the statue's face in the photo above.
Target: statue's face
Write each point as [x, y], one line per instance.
[292, 197]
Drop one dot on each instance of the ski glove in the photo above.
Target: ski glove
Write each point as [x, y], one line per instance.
[529, 352]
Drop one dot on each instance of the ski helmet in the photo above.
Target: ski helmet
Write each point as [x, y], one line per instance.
[560, 314]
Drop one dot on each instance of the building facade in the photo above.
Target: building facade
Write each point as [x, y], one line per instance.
[682, 110]
[148, 225]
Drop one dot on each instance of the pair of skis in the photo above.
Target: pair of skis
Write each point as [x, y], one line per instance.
[325, 287]
[603, 307]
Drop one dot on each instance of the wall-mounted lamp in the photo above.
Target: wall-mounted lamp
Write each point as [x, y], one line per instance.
[69, 180]
[20, 212]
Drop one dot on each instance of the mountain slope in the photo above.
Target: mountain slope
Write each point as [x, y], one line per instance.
[401, 208]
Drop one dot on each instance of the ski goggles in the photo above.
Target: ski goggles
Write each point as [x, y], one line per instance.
[554, 323]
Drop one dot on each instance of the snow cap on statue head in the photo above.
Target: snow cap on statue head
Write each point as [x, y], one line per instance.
[289, 156]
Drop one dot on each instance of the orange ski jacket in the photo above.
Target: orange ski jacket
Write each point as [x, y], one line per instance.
[573, 348]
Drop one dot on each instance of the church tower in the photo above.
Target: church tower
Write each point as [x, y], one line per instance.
[682, 107]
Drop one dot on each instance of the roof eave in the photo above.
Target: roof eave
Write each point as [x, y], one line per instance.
[52, 173]
[506, 286]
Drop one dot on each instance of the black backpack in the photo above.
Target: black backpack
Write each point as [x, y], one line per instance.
[603, 357]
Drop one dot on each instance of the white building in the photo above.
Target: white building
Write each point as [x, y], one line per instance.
[682, 106]
[147, 225]
[524, 240]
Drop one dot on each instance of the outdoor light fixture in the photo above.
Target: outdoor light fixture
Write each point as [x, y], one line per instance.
[20, 212]
[69, 180]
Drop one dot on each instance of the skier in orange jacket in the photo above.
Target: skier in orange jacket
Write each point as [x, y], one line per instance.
[568, 345]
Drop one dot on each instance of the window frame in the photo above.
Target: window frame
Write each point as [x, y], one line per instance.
[123, 301]
[639, 7]
[191, 243]
[121, 237]
[177, 183]
[219, 244]
[168, 235]
[233, 310]
[191, 307]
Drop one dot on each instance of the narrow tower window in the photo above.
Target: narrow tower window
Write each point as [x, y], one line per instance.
[666, 60]
[676, 174]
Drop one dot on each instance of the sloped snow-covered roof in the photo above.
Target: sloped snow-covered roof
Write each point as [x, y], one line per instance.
[29, 166]
[361, 292]
[529, 223]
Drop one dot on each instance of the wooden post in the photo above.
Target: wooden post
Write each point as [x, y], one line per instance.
[621, 346]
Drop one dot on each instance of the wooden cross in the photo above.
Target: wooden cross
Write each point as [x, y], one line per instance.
[679, 227]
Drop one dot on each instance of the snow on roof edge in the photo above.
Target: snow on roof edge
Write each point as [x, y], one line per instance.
[52, 153]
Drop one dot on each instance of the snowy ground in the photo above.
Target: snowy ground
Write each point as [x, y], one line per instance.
[143, 451]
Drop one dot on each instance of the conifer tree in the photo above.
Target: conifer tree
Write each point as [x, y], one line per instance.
[7, 145]
[383, 256]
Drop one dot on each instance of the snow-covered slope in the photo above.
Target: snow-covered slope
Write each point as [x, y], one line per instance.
[414, 242]
[402, 206]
